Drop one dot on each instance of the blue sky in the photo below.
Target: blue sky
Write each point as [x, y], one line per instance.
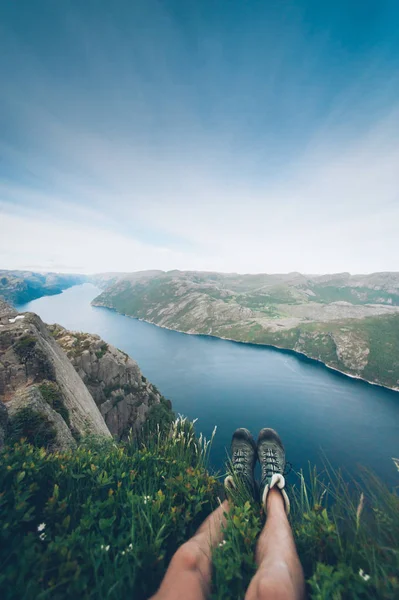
[231, 135]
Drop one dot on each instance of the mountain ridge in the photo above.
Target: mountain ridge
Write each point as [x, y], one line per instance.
[350, 323]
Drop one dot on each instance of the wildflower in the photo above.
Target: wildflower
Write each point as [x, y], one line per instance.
[123, 553]
[42, 536]
[364, 575]
[146, 499]
[222, 543]
[105, 548]
[41, 527]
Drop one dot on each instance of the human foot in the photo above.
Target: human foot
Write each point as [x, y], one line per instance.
[271, 455]
[243, 458]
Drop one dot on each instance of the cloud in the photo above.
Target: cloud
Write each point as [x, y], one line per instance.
[127, 152]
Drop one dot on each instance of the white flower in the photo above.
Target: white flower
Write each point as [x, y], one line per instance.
[42, 536]
[41, 527]
[105, 548]
[123, 553]
[222, 543]
[146, 499]
[364, 575]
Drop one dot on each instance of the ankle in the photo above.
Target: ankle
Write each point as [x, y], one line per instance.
[275, 502]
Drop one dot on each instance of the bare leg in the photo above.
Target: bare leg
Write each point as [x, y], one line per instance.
[189, 574]
[279, 575]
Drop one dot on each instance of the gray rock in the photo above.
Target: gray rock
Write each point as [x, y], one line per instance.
[114, 380]
[29, 355]
[3, 423]
[31, 398]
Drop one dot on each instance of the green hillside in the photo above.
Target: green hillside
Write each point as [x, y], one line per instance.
[350, 323]
[104, 521]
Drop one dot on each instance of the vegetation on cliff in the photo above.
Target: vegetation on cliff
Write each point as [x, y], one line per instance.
[103, 522]
[19, 287]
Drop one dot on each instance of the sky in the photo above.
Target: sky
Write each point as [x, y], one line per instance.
[226, 135]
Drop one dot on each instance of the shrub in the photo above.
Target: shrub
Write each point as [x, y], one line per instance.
[104, 520]
[53, 396]
[100, 353]
[32, 425]
[24, 347]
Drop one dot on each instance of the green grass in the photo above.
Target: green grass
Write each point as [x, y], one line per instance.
[104, 521]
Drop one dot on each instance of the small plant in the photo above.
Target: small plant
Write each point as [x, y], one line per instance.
[103, 349]
[24, 347]
[33, 426]
[53, 396]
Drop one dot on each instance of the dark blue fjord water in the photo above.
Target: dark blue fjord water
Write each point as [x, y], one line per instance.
[315, 410]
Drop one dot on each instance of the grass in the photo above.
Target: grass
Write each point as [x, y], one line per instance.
[104, 521]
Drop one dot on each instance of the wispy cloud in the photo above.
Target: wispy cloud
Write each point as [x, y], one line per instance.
[139, 146]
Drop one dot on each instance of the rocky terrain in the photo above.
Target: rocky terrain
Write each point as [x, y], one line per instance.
[36, 378]
[349, 322]
[55, 397]
[123, 395]
[18, 287]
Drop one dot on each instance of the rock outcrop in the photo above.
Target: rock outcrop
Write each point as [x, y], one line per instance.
[3, 423]
[31, 358]
[122, 394]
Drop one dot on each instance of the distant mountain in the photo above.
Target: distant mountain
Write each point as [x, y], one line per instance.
[349, 322]
[18, 287]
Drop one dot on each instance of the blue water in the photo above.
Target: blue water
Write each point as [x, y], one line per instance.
[316, 411]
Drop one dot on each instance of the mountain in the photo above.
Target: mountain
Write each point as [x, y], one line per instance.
[54, 397]
[18, 287]
[349, 322]
[123, 395]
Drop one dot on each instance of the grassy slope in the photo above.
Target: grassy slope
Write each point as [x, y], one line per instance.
[104, 521]
[380, 333]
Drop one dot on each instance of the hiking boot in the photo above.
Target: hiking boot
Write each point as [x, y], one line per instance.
[243, 458]
[271, 455]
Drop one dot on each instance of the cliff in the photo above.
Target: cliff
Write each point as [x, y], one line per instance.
[123, 395]
[38, 385]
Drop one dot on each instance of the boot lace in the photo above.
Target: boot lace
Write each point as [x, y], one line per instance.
[269, 462]
[241, 462]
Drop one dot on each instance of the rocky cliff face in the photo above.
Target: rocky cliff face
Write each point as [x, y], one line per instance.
[38, 383]
[122, 394]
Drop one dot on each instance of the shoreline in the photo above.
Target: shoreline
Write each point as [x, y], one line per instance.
[296, 353]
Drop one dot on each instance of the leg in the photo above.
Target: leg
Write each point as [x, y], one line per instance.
[279, 575]
[189, 574]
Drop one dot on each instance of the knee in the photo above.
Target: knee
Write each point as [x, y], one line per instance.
[187, 557]
[274, 585]
[273, 590]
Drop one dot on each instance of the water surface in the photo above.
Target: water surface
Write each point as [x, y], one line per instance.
[232, 385]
